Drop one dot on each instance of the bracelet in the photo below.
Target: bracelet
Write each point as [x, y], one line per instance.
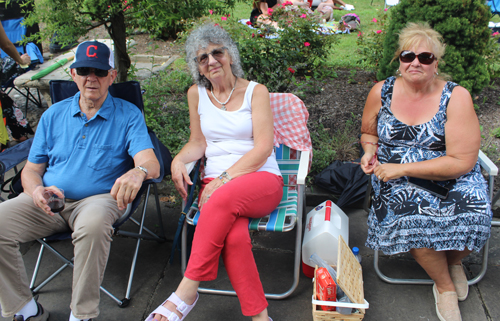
[143, 169]
[224, 177]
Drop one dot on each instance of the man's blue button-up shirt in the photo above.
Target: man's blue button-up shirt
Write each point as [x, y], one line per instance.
[85, 157]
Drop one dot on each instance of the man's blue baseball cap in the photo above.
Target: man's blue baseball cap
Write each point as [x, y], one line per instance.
[94, 54]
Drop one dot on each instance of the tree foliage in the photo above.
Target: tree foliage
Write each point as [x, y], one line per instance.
[464, 27]
[165, 19]
[72, 19]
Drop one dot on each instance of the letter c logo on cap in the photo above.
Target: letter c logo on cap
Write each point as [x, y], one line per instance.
[88, 51]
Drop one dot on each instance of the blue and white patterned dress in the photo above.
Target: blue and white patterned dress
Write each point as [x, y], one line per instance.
[402, 216]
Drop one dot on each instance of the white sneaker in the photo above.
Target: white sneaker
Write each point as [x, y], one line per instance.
[349, 7]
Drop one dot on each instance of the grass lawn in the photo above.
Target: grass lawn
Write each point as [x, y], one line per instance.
[344, 54]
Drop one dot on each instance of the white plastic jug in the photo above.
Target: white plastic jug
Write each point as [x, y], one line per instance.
[324, 224]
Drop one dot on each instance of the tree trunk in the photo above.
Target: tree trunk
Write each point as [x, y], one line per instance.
[117, 31]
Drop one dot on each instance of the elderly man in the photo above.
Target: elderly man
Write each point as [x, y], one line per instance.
[97, 150]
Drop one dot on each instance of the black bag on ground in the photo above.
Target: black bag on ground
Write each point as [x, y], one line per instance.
[345, 179]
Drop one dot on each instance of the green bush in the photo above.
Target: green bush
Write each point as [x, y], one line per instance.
[371, 44]
[166, 108]
[464, 27]
[165, 19]
[492, 56]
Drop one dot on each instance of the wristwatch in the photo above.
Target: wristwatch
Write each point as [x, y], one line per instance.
[143, 169]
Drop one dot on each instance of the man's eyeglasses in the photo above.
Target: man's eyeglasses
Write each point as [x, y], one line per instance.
[425, 58]
[217, 54]
[85, 71]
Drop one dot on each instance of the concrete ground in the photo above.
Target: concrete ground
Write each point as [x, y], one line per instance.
[155, 279]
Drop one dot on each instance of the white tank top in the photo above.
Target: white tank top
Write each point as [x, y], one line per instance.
[229, 134]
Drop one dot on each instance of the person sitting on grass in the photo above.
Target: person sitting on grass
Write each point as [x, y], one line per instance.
[326, 8]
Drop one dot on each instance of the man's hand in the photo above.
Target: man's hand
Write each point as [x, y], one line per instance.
[39, 199]
[127, 186]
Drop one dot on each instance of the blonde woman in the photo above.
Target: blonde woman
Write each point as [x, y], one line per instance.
[420, 130]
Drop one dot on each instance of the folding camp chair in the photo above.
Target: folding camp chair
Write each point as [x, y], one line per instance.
[11, 158]
[131, 92]
[15, 32]
[491, 169]
[293, 156]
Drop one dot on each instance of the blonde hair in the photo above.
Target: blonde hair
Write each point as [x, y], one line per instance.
[416, 33]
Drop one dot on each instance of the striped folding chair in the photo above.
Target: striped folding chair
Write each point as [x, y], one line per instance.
[293, 153]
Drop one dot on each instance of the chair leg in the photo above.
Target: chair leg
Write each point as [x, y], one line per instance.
[161, 238]
[67, 263]
[136, 252]
[385, 278]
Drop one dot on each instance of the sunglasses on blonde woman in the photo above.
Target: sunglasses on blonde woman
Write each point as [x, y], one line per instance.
[425, 58]
[217, 54]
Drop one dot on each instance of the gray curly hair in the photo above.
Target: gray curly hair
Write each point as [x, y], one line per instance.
[201, 38]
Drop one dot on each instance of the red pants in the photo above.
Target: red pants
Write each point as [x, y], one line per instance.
[223, 227]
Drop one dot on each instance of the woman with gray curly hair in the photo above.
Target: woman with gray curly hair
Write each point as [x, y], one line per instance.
[232, 125]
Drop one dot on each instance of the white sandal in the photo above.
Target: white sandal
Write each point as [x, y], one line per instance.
[181, 306]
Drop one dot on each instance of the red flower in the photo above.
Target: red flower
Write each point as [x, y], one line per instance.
[277, 41]
[378, 31]
[303, 15]
[261, 35]
[216, 24]
[291, 70]
[270, 11]
[223, 18]
[229, 15]
[249, 22]
[360, 34]
[253, 35]
[211, 11]
[495, 33]
[307, 44]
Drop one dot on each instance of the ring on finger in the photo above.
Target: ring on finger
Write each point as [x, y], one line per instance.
[380, 177]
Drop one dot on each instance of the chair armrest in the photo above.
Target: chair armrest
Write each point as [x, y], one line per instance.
[190, 166]
[303, 167]
[487, 164]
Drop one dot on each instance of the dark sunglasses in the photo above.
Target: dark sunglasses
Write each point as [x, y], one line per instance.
[85, 71]
[425, 58]
[217, 54]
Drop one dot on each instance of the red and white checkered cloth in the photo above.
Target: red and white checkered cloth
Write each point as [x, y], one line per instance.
[290, 122]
